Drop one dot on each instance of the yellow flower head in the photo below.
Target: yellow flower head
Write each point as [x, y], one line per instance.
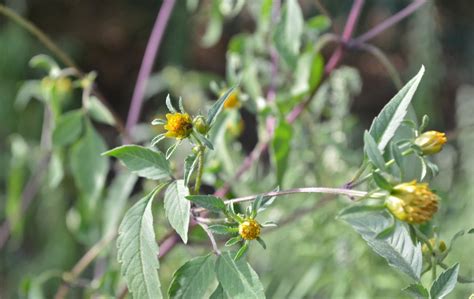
[249, 229]
[232, 100]
[431, 142]
[178, 125]
[412, 202]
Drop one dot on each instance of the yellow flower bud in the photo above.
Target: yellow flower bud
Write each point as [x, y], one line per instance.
[232, 100]
[178, 125]
[63, 85]
[412, 202]
[431, 142]
[249, 229]
[440, 248]
[200, 124]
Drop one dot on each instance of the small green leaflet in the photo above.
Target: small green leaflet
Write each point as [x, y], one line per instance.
[89, 169]
[385, 125]
[373, 152]
[137, 249]
[194, 279]
[68, 128]
[397, 248]
[445, 283]
[142, 161]
[190, 164]
[237, 278]
[177, 208]
[417, 291]
[217, 107]
[210, 202]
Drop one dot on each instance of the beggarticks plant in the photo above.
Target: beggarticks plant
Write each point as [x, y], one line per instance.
[389, 200]
[393, 215]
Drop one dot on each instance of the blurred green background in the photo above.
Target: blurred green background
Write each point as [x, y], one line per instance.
[314, 256]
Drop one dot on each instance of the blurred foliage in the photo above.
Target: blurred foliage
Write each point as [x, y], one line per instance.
[311, 254]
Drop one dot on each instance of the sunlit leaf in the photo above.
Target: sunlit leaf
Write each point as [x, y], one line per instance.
[177, 208]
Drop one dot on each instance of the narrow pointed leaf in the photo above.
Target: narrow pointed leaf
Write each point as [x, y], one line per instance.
[445, 283]
[373, 152]
[385, 125]
[217, 107]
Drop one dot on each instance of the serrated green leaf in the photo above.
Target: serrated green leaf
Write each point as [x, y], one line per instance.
[381, 181]
[288, 31]
[281, 145]
[138, 250]
[385, 125]
[373, 152]
[193, 279]
[178, 208]
[238, 279]
[209, 202]
[217, 107]
[68, 128]
[89, 168]
[142, 161]
[417, 290]
[99, 112]
[397, 248]
[445, 283]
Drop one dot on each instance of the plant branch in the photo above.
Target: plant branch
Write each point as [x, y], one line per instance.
[336, 191]
[389, 22]
[211, 238]
[147, 63]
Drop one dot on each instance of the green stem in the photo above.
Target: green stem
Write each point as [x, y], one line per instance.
[387, 164]
[423, 238]
[197, 184]
[433, 268]
[40, 35]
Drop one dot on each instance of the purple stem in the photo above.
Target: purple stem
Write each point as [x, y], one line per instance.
[337, 55]
[390, 22]
[147, 62]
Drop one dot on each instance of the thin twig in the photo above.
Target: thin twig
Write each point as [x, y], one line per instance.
[147, 62]
[336, 191]
[390, 22]
[211, 238]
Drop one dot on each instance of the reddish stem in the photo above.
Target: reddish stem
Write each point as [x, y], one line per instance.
[147, 63]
